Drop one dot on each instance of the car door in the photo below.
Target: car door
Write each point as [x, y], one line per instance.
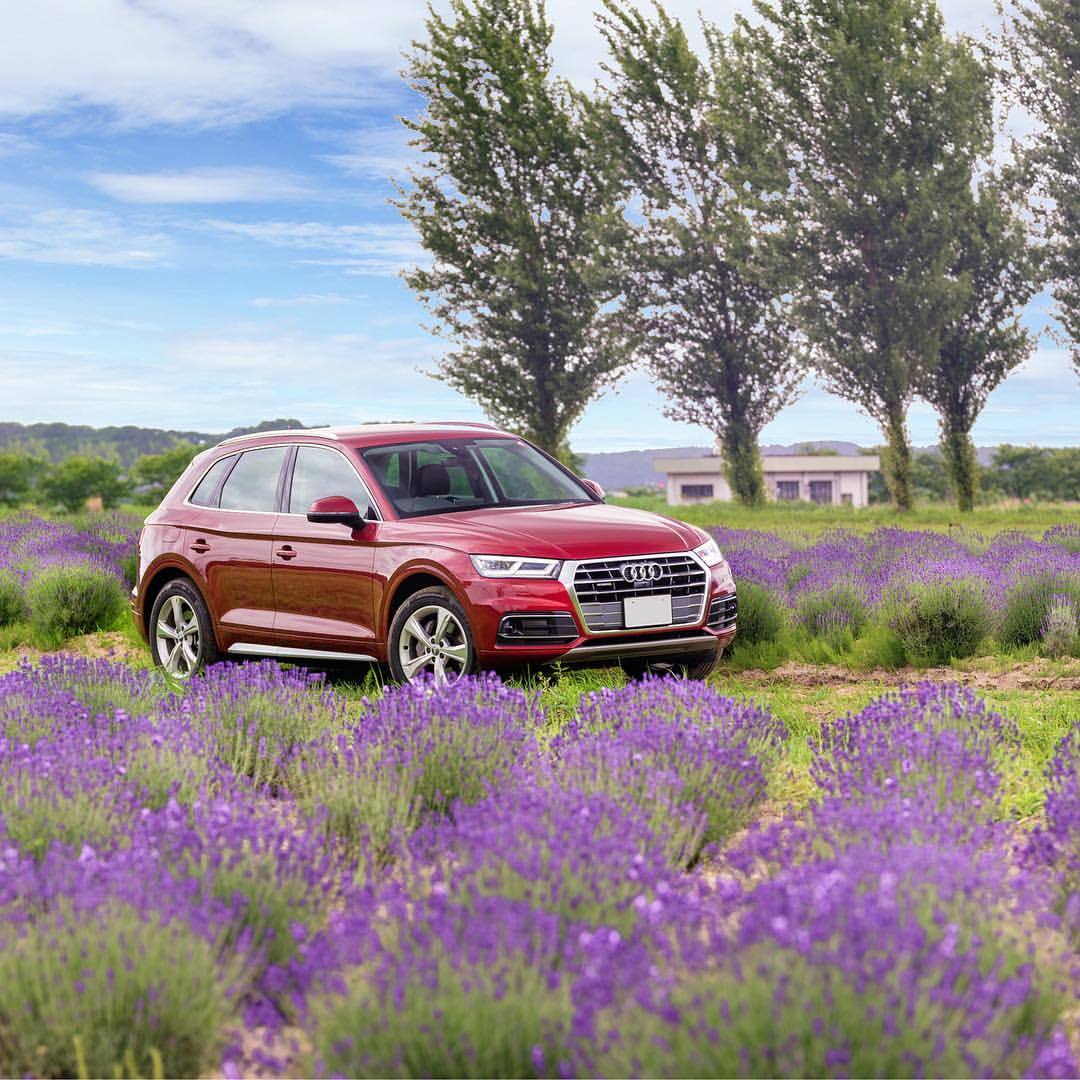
[229, 541]
[323, 573]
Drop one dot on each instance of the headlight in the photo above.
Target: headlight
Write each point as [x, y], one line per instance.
[709, 553]
[515, 566]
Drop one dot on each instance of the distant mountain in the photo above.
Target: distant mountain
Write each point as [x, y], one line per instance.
[58, 441]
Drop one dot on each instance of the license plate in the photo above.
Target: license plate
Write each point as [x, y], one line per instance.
[647, 611]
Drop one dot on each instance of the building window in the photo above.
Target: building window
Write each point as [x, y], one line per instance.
[821, 491]
[787, 489]
[696, 491]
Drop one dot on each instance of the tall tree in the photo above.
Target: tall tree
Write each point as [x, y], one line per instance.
[885, 116]
[79, 478]
[984, 341]
[1044, 44]
[709, 287]
[519, 202]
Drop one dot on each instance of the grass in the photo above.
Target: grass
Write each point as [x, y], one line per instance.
[803, 518]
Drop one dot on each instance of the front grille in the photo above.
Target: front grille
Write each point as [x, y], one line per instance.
[722, 613]
[600, 589]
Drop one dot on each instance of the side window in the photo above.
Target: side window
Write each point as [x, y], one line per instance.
[203, 495]
[252, 485]
[320, 472]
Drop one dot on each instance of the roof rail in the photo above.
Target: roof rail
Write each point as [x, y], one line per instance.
[324, 429]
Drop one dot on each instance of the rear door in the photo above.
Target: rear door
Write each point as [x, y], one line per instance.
[230, 540]
[323, 573]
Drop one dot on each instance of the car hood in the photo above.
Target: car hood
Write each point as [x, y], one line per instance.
[589, 531]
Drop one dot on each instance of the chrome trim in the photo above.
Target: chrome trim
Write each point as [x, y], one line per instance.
[673, 645]
[248, 648]
[570, 568]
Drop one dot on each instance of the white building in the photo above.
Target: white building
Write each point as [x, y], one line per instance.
[839, 480]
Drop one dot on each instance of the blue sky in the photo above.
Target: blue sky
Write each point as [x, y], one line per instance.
[194, 228]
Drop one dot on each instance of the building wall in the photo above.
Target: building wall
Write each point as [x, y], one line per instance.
[853, 484]
[721, 491]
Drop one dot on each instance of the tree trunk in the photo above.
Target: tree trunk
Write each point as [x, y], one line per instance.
[896, 458]
[960, 463]
[742, 463]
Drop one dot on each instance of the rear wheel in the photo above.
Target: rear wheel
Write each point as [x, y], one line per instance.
[430, 636]
[694, 669]
[181, 631]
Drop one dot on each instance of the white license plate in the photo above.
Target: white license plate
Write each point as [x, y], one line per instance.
[647, 611]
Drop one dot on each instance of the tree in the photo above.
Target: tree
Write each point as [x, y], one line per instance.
[156, 473]
[984, 340]
[708, 285]
[885, 118]
[519, 204]
[77, 479]
[1044, 45]
[18, 474]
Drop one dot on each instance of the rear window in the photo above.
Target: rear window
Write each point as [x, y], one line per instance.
[253, 483]
[204, 494]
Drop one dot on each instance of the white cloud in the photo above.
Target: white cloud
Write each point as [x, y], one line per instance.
[78, 238]
[211, 61]
[213, 184]
[306, 300]
[374, 249]
[12, 144]
[374, 153]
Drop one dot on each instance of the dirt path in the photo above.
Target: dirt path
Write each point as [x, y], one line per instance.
[1028, 675]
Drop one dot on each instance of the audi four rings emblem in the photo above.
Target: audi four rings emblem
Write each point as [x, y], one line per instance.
[640, 572]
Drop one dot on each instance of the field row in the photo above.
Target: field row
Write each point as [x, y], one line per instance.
[265, 874]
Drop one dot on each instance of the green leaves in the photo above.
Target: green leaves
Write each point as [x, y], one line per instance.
[519, 204]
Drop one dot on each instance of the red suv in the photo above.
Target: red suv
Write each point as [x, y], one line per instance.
[433, 548]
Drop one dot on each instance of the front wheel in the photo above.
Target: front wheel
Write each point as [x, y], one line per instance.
[181, 631]
[430, 636]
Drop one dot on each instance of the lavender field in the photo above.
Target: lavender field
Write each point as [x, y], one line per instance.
[265, 875]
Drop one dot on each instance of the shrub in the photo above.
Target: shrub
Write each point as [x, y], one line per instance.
[760, 615]
[12, 600]
[942, 621]
[1059, 629]
[67, 600]
[1027, 605]
[833, 614]
[110, 993]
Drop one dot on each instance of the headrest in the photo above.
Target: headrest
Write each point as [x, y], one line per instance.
[432, 480]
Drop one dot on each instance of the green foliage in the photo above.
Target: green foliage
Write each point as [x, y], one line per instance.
[12, 600]
[885, 119]
[984, 341]
[77, 479]
[156, 473]
[77, 599]
[1028, 605]
[879, 646]
[707, 277]
[111, 993]
[519, 205]
[1035, 472]
[1061, 627]
[830, 613]
[760, 617]
[942, 622]
[19, 473]
[1043, 43]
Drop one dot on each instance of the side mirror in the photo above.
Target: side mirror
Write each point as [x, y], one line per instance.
[595, 488]
[336, 510]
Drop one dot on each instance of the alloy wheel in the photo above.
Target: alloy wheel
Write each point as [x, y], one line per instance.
[433, 642]
[176, 635]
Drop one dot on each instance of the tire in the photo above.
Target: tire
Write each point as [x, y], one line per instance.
[696, 669]
[180, 604]
[430, 617]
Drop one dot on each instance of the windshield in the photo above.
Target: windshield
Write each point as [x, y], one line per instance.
[464, 474]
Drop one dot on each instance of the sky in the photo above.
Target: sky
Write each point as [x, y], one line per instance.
[195, 230]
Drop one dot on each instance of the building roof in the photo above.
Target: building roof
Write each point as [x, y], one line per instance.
[776, 463]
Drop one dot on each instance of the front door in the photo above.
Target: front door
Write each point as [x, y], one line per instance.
[323, 573]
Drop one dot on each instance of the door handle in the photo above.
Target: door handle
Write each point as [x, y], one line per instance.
[286, 552]
[200, 546]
